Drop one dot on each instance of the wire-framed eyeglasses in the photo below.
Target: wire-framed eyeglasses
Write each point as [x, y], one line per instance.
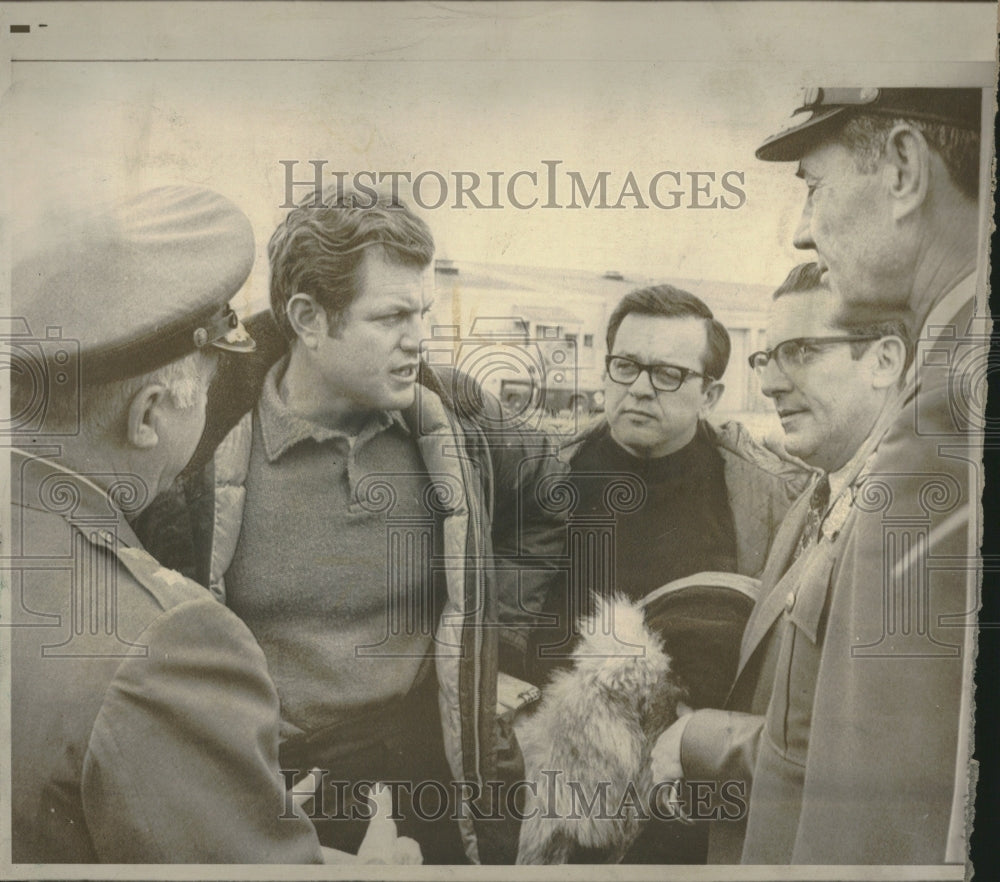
[663, 377]
[798, 351]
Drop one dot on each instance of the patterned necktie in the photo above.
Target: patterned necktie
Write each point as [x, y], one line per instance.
[818, 502]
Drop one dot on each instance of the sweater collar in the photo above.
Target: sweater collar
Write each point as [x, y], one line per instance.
[283, 429]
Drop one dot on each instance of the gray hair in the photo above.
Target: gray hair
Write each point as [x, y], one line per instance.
[866, 136]
[98, 408]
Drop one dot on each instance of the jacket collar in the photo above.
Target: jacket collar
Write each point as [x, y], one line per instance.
[40, 483]
[944, 319]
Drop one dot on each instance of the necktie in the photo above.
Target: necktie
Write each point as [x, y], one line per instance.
[818, 502]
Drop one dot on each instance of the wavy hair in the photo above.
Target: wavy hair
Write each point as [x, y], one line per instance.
[319, 246]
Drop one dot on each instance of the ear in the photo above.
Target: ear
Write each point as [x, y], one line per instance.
[908, 167]
[888, 363]
[144, 417]
[308, 319]
[712, 395]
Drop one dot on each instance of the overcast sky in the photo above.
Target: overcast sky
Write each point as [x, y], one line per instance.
[655, 88]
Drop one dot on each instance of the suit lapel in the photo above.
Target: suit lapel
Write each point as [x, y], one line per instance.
[772, 599]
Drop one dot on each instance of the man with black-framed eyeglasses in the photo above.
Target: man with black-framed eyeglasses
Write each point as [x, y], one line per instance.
[663, 377]
[667, 354]
[679, 496]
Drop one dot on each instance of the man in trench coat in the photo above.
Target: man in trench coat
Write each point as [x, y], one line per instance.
[872, 767]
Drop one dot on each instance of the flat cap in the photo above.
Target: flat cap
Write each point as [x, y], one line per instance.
[956, 107]
[136, 283]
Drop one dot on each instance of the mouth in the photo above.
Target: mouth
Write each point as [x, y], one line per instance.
[406, 373]
[789, 413]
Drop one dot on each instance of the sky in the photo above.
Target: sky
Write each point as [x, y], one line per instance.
[687, 89]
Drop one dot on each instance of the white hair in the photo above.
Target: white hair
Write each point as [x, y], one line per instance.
[101, 408]
[184, 380]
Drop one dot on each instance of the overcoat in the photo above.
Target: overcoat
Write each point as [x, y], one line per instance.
[845, 718]
[144, 723]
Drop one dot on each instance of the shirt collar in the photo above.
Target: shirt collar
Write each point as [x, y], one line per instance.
[282, 428]
[844, 475]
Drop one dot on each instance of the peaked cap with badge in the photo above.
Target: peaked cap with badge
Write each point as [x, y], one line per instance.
[138, 282]
[830, 107]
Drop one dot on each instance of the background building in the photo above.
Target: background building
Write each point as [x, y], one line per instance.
[518, 328]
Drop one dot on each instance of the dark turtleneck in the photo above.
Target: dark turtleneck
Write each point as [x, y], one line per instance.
[684, 526]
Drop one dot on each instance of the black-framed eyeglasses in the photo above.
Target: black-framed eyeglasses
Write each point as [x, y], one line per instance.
[797, 352]
[663, 377]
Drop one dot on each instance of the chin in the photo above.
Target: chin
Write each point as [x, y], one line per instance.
[633, 434]
[796, 446]
[802, 451]
[399, 400]
[635, 442]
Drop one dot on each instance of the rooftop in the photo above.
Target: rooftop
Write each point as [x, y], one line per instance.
[541, 285]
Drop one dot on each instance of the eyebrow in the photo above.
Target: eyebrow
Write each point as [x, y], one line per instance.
[405, 304]
[657, 363]
[399, 297]
[625, 354]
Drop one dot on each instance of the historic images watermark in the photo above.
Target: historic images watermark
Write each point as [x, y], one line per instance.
[46, 365]
[548, 186]
[552, 797]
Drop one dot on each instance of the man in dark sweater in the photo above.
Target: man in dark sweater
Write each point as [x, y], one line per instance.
[684, 497]
[660, 495]
[668, 537]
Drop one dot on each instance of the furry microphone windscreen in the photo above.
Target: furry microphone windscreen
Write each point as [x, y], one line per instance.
[587, 746]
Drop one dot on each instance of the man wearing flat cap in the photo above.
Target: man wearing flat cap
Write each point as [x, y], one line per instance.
[892, 213]
[144, 722]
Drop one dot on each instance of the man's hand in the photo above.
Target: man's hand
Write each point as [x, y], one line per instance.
[665, 759]
[382, 844]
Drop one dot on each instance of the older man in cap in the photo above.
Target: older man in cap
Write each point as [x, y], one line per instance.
[894, 217]
[892, 213]
[144, 722]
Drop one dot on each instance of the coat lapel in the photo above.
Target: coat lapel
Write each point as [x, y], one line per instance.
[772, 599]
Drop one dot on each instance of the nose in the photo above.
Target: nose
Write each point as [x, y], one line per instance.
[773, 381]
[413, 333]
[642, 386]
[803, 238]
